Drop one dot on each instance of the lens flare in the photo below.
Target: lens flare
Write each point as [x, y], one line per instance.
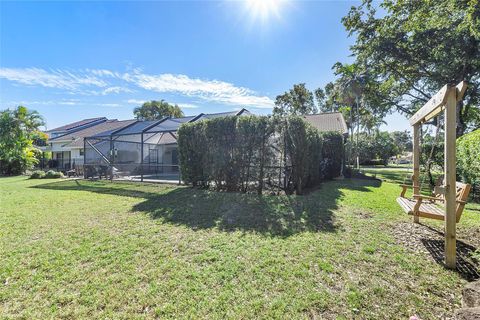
[264, 9]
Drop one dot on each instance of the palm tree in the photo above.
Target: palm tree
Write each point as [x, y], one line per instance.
[370, 121]
[350, 87]
[29, 120]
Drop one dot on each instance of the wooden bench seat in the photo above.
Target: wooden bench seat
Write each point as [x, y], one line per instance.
[428, 207]
[427, 210]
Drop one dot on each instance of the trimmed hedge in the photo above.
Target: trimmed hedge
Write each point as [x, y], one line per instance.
[249, 153]
[468, 157]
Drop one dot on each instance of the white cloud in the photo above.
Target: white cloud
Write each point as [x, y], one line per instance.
[64, 102]
[209, 90]
[104, 73]
[109, 104]
[116, 90]
[187, 106]
[62, 79]
[135, 101]
[112, 82]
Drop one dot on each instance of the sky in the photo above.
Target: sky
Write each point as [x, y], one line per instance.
[76, 60]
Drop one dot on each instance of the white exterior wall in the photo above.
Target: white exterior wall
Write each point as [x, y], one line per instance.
[75, 154]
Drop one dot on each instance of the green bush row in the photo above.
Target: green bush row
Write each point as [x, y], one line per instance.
[468, 157]
[257, 153]
[50, 174]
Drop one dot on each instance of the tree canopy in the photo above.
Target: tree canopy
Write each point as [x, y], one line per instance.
[414, 48]
[297, 101]
[156, 110]
[18, 129]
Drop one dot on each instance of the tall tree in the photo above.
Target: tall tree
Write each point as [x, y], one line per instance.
[297, 101]
[156, 110]
[403, 140]
[18, 129]
[415, 47]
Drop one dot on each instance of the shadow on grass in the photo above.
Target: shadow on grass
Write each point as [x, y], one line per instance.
[202, 209]
[467, 267]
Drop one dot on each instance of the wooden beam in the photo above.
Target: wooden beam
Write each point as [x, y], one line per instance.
[461, 88]
[416, 163]
[450, 178]
[431, 106]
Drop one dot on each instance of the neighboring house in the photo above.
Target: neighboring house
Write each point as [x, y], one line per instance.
[66, 143]
[67, 149]
[328, 121]
[149, 147]
[75, 126]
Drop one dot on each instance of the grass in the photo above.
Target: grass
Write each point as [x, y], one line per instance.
[81, 249]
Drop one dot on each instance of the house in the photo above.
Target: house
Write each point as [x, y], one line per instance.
[67, 148]
[142, 148]
[75, 126]
[66, 143]
[328, 121]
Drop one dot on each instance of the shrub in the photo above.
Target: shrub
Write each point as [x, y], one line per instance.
[372, 147]
[468, 156]
[53, 174]
[37, 174]
[333, 154]
[253, 153]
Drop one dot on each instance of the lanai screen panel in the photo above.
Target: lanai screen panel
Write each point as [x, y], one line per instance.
[145, 149]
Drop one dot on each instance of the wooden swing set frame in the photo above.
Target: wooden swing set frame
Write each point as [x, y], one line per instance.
[453, 194]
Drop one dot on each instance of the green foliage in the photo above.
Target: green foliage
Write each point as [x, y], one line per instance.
[192, 154]
[353, 94]
[37, 174]
[413, 48]
[297, 101]
[403, 140]
[51, 174]
[18, 129]
[380, 145]
[253, 153]
[39, 138]
[155, 110]
[468, 156]
[333, 154]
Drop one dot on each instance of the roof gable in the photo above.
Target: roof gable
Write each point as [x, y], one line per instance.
[328, 121]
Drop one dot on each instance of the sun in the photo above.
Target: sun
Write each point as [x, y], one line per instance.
[264, 9]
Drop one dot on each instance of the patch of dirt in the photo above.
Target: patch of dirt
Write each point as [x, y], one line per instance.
[363, 214]
[430, 242]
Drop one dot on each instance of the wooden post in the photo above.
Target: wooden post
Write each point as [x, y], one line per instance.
[416, 163]
[84, 158]
[141, 159]
[112, 157]
[450, 178]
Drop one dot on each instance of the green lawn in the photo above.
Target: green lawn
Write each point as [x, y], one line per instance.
[81, 249]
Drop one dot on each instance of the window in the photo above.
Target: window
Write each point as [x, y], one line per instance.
[81, 152]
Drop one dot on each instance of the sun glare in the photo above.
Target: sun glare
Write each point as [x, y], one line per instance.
[264, 9]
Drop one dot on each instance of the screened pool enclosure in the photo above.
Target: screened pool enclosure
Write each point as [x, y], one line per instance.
[144, 150]
[141, 151]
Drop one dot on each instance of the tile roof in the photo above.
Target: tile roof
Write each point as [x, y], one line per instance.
[77, 137]
[328, 121]
[77, 124]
